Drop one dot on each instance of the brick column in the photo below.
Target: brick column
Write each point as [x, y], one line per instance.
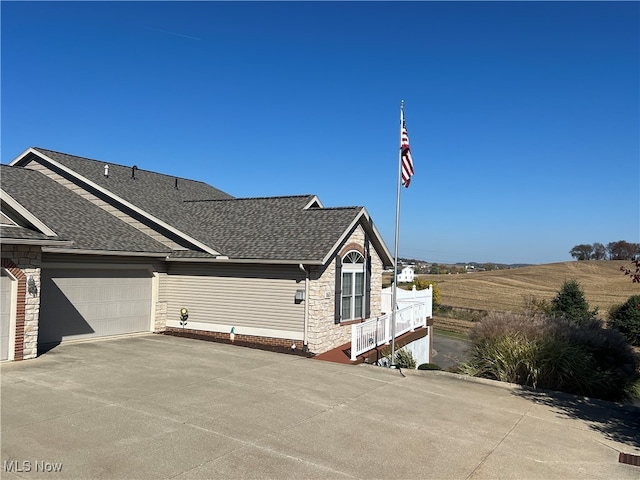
[23, 261]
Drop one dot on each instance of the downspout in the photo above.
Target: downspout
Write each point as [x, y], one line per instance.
[305, 340]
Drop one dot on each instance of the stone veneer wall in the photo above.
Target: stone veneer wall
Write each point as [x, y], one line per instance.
[324, 334]
[160, 318]
[160, 323]
[24, 261]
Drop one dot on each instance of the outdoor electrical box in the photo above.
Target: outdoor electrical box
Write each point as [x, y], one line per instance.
[299, 296]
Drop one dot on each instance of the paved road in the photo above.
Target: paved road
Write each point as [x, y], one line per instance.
[448, 352]
[157, 407]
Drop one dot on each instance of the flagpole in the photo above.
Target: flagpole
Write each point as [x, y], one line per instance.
[394, 292]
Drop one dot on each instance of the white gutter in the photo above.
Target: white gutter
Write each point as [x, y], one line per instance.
[243, 260]
[79, 251]
[24, 241]
[305, 340]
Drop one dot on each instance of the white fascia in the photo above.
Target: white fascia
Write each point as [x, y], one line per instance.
[368, 224]
[344, 235]
[383, 245]
[314, 200]
[27, 216]
[79, 251]
[223, 259]
[42, 243]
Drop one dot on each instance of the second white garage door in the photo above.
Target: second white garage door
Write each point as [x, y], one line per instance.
[80, 302]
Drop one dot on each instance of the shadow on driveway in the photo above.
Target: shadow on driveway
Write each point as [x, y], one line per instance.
[619, 424]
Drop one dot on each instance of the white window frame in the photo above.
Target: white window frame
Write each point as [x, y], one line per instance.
[353, 267]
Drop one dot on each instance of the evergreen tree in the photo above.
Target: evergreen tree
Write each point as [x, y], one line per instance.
[626, 319]
[571, 304]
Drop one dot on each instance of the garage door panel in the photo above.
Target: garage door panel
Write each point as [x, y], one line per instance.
[59, 316]
[78, 303]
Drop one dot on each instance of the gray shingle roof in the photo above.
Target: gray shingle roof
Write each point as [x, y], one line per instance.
[190, 254]
[71, 216]
[269, 228]
[150, 191]
[22, 233]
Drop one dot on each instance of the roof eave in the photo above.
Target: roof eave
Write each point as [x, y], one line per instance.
[342, 237]
[32, 241]
[223, 259]
[379, 245]
[388, 261]
[26, 215]
[118, 253]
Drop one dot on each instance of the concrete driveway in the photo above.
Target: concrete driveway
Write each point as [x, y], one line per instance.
[154, 406]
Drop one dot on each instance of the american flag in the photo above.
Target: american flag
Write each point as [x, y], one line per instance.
[405, 155]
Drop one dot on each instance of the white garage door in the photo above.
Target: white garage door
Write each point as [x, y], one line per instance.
[81, 303]
[5, 314]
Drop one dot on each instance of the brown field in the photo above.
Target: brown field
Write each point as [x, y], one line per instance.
[602, 282]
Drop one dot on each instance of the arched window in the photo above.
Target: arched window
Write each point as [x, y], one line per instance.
[353, 286]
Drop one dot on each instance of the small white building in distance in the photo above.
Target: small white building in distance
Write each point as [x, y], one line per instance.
[406, 275]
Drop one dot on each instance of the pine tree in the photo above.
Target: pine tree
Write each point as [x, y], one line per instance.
[571, 304]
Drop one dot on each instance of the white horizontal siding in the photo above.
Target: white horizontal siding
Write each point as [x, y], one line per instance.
[253, 296]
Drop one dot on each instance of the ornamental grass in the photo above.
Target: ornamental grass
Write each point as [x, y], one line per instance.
[557, 354]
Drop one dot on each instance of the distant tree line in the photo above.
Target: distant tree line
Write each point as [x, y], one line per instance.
[620, 250]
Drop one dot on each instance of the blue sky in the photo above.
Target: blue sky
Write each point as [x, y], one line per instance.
[523, 117]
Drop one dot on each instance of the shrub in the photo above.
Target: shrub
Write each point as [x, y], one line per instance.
[429, 366]
[404, 359]
[626, 319]
[536, 306]
[551, 353]
[613, 365]
[422, 284]
[571, 304]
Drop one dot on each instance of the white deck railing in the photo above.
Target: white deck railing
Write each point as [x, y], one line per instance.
[406, 297]
[377, 331]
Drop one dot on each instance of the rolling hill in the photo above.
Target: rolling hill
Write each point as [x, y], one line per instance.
[602, 282]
